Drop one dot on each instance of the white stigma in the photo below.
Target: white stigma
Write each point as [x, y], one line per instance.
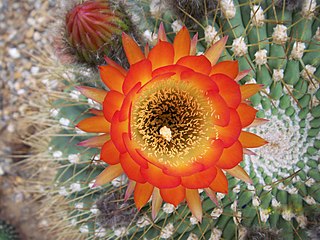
[165, 132]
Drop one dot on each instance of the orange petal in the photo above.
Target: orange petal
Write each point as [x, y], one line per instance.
[131, 148]
[197, 63]
[194, 203]
[213, 154]
[112, 77]
[229, 68]
[162, 36]
[94, 142]
[247, 114]
[250, 140]
[228, 89]
[142, 194]
[130, 189]
[181, 44]
[95, 124]
[242, 74]
[156, 177]
[115, 65]
[127, 102]
[214, 52]
[138, 72]
[169, 69]
[132, 50]
[221, 114]
[156, 202]
[161, 55]
[258, 122]
[183, 170]
[117, 129]
[249, 90]
[220, 183]
[193, 47]
[202, 81]
[199, 180]
[108, 174]
[131, 168]
[109, 153]
[173, 195]
[95, 94]
[231, 132]
[239, 173]
[112, 103]
[231, 156]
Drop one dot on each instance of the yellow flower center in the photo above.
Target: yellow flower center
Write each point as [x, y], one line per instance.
[171, 121]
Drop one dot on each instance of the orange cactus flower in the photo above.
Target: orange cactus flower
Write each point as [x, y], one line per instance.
[173, 122]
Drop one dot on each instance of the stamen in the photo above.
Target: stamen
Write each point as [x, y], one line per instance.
[165, 132]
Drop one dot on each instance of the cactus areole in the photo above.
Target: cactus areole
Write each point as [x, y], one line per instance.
[173, 122]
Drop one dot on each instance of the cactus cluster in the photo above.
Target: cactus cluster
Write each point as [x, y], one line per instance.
[279, 42]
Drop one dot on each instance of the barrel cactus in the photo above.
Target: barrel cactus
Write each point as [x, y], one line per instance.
[276, 45]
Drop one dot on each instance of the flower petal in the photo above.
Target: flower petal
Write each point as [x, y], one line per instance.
[112, 103]
[95, 124]
[231, 132]
[181, 44]
[156, 177]
[112, 77]
[138, 72]
[197, 63]
[170, 69]
[228, 89]
[96, 112]
[199, 180]
[242, 74]
[162, 36]
[194, 203]
[95, 142]
[95, 94]
[109, 153]
[250, 140]
[115, 65]
[131, 168]
[161, 55]
[156, 202]
[202, 81]
[173, 195]
[212, 195]
[220, 183]
[247, 114]
[132, 150]
[213, 154]
[132, 50]
[249, 90]
[221, 114]
[142, 194]
[127, 102]
[108, 174]
[193, 47]
[228, 68]
[239, 173]
[258, 122]
[116, 131]
[130, 189]
[214, 52]
[231, 156]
